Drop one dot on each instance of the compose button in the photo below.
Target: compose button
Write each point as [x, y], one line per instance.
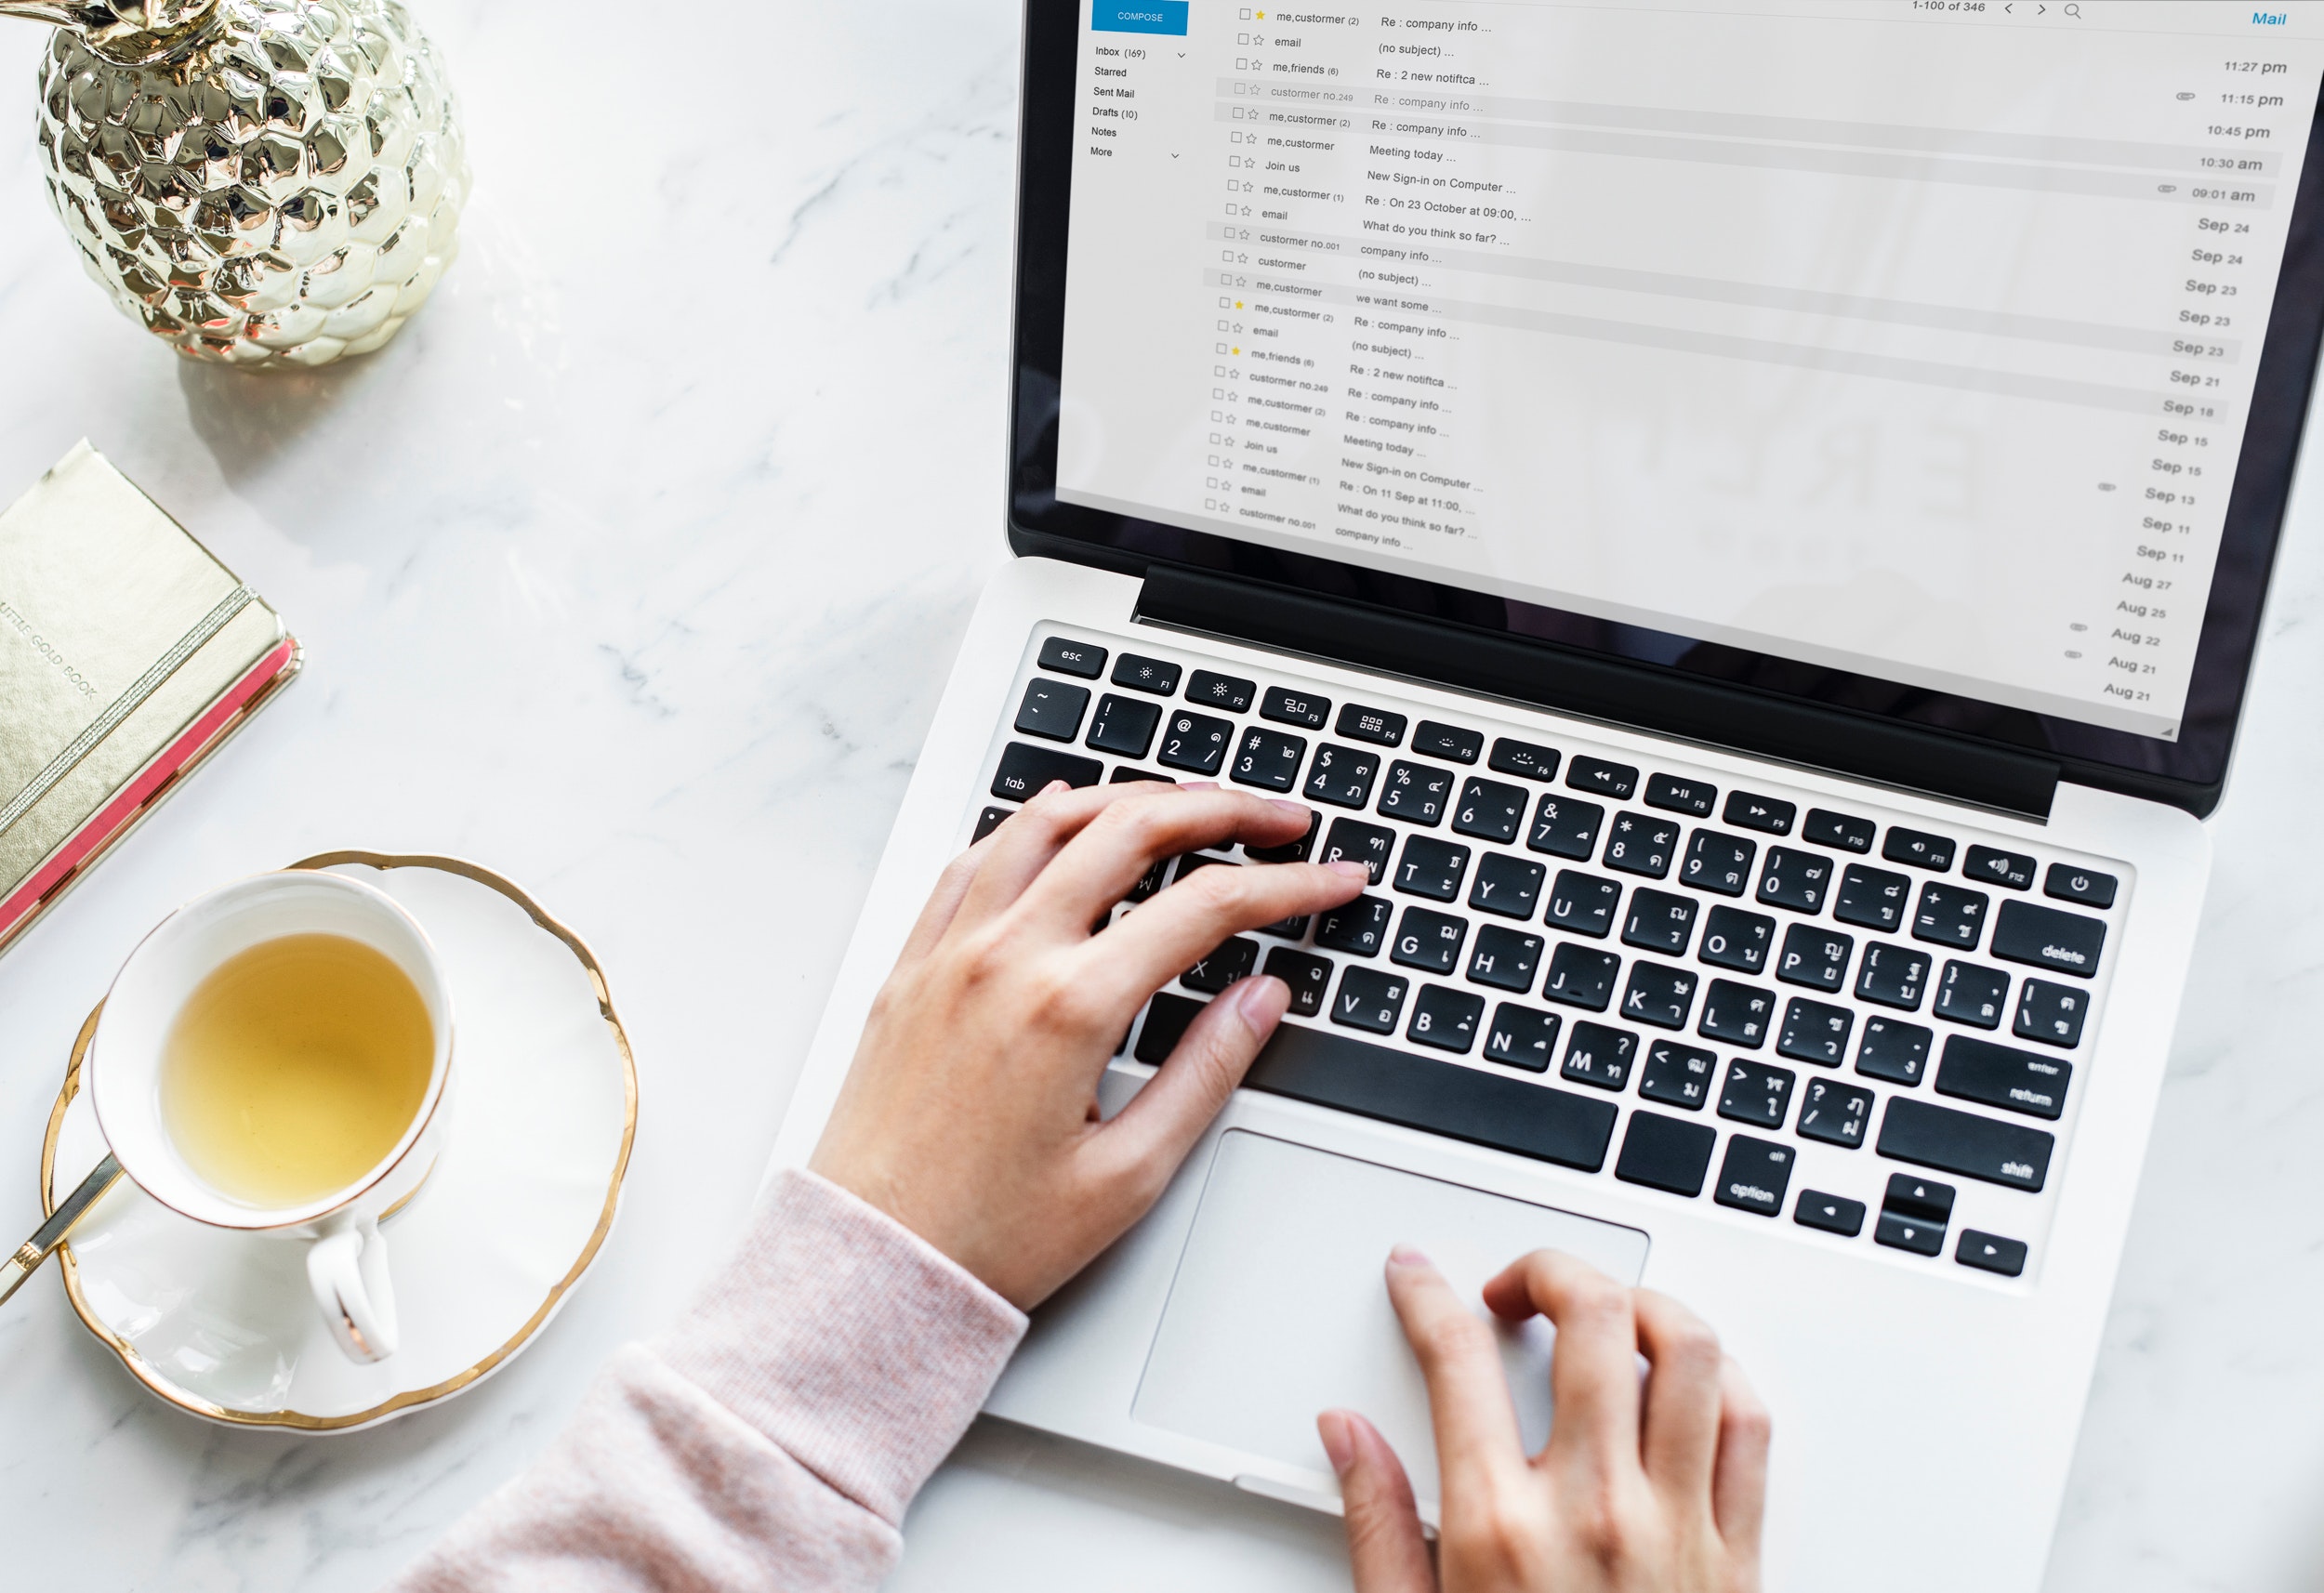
[1132, 16]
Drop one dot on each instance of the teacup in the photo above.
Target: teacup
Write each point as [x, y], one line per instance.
[347, 1260]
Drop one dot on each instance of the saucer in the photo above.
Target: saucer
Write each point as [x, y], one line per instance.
[545, 1109]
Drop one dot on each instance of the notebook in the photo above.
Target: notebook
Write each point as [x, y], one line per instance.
[127, 654]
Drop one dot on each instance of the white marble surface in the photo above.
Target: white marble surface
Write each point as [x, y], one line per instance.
[633, 570]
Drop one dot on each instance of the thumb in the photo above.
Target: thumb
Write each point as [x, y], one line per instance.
[1384, 1543]
[1155, 1130]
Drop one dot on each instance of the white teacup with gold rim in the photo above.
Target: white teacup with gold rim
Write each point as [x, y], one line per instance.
[273, 1058]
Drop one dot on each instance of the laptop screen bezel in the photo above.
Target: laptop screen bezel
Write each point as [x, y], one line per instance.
[2187, 772]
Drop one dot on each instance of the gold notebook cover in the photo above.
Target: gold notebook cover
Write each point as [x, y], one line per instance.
[127, 654]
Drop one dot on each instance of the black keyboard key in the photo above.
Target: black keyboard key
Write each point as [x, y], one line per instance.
[2045, 938]
[1580, 977]
[1636, 844]
[1123, 775]
[1836, 1113]
[1965, 1143]
[1893, 976]
[1506, 959]
[1416, 793]
[1358, 927]
[1601, 778]
[1972, 995]
[1192, 861]
[2050, 1013]
[1145, 675]
[1522, 758]
[1583, 902]
[1149, 882]
[1817, 958]
[1720, 863]
[1370, 999]
[1754, 1176]
[1223, 693]
[1521, 1037]
[1286, 706]
[1918, 847]
[1678, 1075]
[1228, 962]
[1289, 851]
[1658, 995]
[1598, 1056]
[1310, 979]
[1563, 827]
[1195, 742]
[1990, 1253]
[2003, 1076]
[1125, 726]
[1051, 710]
[1268, 759]
[2083, 885]
[1848, 833]
[1914, 1214]
[1756, 1093]
[989, 821]
[1795, 879]
[1431, 941]
[1375, 725]
[1431, 868]
[1343, 776]
[1489, 810]
[1445, 1019]
[1676, 794]
[1352, 840]
[1448, 741]
[1768, 815]
[1949, 915]
[1660, 921]
[1025, 770]
[1509, 885]
[1288, 929]
[1666, 1153]
[1815, 1032]
[1739, 1014]
[2010, 871]
[1166, 1017]
[1872, 898]
[1833, 1214]
[1067, 656]
[1733, 939]
[1898, 1052]
[1549, 1125]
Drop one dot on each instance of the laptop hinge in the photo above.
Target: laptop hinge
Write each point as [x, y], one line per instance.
[1445, 653]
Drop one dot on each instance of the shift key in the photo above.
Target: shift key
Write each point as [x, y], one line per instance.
[2047, 938]
[1963, 1142]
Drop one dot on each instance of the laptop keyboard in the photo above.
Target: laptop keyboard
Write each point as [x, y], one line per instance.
[1795, 1010]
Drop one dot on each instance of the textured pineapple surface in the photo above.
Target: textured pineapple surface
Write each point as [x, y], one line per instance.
[280, 187]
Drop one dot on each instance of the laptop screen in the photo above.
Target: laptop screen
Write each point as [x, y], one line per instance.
[1913, 340]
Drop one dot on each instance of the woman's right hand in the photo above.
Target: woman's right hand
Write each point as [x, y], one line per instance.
[1641, 1488]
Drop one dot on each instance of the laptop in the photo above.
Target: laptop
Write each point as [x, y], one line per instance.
[1752, 519]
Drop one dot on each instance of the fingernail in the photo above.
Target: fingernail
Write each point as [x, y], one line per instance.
[1407, 1256]
[1053, 787]
[1202, 785]
[1292, 809]
[1351, 869]
[1338, 1442]
[1262, 1002]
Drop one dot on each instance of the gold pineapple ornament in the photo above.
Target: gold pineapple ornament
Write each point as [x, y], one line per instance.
[262, 183]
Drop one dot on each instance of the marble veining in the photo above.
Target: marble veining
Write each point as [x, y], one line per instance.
[639, 583]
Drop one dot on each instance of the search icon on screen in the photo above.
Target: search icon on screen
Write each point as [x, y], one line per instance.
[2073, 11]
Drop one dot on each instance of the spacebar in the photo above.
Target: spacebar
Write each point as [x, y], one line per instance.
[1440, 1098]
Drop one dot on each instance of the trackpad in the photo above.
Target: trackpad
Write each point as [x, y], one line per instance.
[1279, 1310]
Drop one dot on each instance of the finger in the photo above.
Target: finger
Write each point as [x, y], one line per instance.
[1738, 1492]
[1154, 1131]
[1681, 1442]
[1179, 926]
[1035, 833]
[943, 903]
[1385, 1547]
[1478, 1451]
[1594, 1366]
[1097, 867]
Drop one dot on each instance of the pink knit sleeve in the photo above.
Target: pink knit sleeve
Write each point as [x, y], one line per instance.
[773, 1440]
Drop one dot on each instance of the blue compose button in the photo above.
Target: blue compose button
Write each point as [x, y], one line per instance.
[1138, 16]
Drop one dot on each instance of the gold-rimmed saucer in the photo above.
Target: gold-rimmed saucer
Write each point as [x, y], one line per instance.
[545, 1106]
